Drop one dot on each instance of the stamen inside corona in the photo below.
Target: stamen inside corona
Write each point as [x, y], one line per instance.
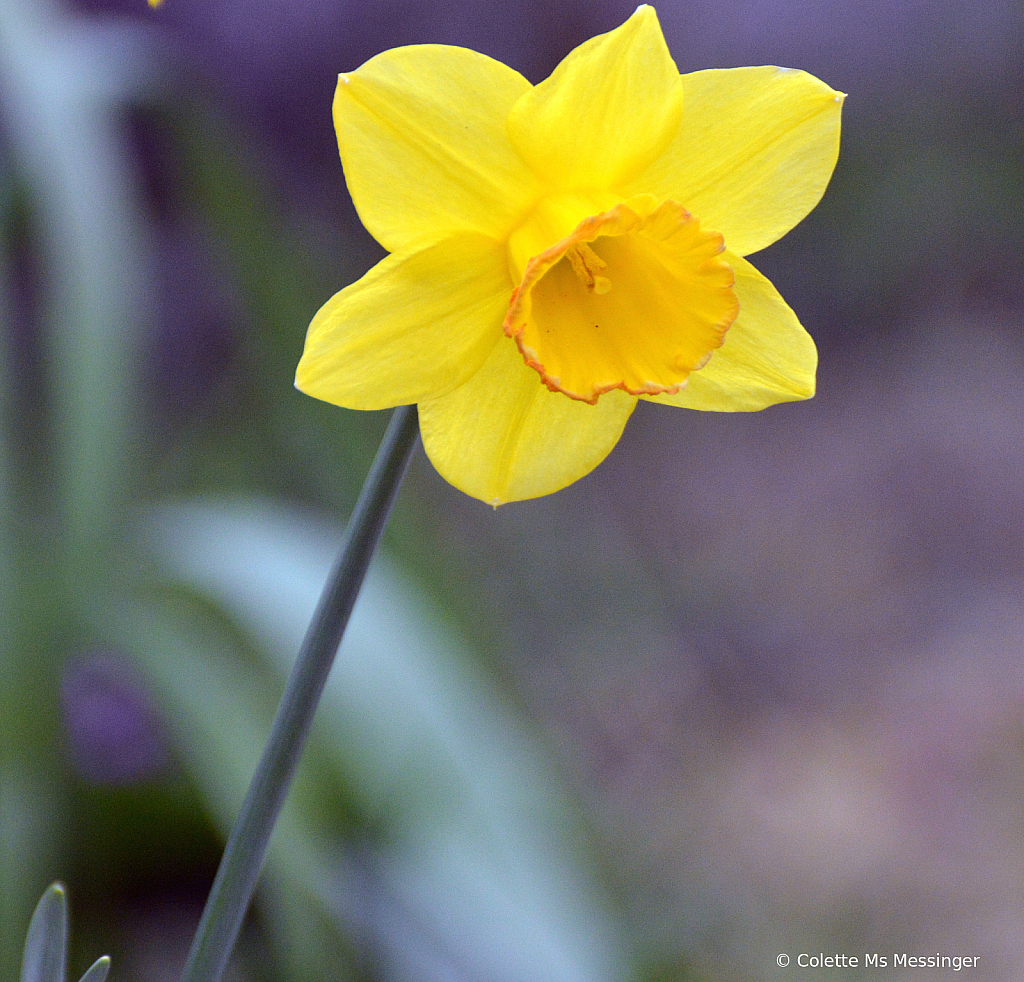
[586, 264]
[671, 305]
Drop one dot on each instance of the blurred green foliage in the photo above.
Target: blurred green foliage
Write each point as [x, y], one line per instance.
[46, 947]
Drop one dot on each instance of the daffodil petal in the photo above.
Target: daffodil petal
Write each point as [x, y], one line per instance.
[753, 154]
[767, 357]
[502, 436]
[414, 327]
[609, 109]
[425, 149]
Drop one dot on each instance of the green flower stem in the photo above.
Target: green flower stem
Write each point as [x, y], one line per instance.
[247, 846]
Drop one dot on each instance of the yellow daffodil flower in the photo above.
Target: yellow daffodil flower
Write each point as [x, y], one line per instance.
[559, 251]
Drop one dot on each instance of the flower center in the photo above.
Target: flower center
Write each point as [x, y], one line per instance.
[634, 298]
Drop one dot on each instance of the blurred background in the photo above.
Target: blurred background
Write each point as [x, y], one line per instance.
[754, 686]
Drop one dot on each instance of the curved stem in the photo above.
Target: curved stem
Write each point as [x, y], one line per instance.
[246, 849]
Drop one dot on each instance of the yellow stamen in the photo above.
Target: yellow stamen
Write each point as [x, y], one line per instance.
[585, 262]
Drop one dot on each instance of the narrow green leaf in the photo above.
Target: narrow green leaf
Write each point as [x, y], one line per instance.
[47, 943]
[98, 972]
[91, 227]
